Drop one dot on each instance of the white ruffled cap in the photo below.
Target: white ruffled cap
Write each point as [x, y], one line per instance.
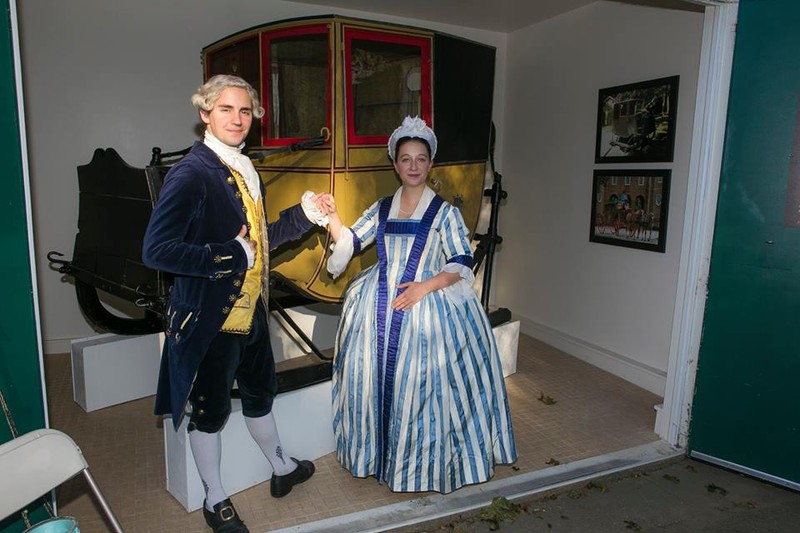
[416, 128]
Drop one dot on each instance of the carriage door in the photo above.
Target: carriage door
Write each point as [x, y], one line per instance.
[746, 412]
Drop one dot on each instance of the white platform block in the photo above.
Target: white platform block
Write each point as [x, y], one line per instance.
[507, 337]
[113, 369]
[305, 424]
[304, 419]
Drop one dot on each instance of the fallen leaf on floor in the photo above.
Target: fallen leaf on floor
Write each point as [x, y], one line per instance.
[630, 524]
[500, 510]
[714, 488]
[575, 494]
[597, 486]
[547, 400]
[674, 479]
[553, 462]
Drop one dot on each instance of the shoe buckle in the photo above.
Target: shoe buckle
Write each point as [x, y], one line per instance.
[227, 513]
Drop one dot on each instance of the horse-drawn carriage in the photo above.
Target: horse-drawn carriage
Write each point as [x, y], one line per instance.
[333, 89]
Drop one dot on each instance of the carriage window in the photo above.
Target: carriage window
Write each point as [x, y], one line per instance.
[388, 78]
[240, 59]
[296, 84]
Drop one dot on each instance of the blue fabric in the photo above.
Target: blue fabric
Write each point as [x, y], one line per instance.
[191, 234]
[422, 228]
[401, 227]
[465, 260]
[419, 399]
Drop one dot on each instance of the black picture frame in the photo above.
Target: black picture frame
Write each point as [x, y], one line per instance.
[638, 221]
[636, 122]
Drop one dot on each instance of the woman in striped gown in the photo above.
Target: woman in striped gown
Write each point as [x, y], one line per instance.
[418, 395]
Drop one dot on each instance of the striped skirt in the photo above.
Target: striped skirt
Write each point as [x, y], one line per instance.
[428, 412]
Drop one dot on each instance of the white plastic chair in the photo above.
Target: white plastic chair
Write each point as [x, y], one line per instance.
[38, 462]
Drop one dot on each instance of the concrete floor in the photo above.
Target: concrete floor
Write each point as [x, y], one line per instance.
[593, 414]
[679, 495]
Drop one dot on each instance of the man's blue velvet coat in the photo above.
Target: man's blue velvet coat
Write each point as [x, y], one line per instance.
[192, 234]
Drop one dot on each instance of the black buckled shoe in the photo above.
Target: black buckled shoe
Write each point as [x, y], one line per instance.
[224, 519]
[280, 486]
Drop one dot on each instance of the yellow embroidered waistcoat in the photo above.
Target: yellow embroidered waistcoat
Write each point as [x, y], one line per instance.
[256, 282]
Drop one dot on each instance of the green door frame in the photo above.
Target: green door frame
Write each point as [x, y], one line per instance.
[21, 363]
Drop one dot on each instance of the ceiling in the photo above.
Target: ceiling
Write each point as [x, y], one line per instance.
[494, 15]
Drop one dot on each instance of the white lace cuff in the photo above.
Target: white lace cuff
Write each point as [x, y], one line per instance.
[312, 211]
[251, 255]
[342, 253]
[461, 290]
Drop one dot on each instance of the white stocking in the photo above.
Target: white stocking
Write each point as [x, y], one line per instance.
[207, 451]
[265, 433]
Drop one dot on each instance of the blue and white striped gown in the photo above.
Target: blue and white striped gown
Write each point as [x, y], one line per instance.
[428, 410]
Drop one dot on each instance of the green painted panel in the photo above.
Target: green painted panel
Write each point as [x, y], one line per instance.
[20, 379]
[747, 396]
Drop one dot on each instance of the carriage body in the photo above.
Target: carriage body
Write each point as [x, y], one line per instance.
[347, 83]
[352, 82]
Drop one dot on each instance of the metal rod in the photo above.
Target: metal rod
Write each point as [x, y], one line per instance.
[275, 306]
[103, 503]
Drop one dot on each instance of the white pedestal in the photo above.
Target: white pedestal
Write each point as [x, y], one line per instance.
[304, 419]
[305, 425]
[112, 369]
[507, 337]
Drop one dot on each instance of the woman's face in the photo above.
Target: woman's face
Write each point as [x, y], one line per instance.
[413, 163]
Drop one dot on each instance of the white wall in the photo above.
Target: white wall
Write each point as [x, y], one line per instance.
[610, 305]
[118, 73]
[101, 73]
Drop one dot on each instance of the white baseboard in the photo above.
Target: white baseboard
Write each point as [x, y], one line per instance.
[639, 374]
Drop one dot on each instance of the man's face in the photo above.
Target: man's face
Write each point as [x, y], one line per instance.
[230, 118]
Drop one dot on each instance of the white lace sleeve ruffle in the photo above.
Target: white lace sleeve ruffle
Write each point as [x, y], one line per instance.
[461, 290]
[312, 211]
[342, 253]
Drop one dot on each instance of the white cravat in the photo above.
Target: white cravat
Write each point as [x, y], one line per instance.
[234, 158]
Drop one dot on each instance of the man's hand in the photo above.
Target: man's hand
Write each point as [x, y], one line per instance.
[243, 233]
[326, 203]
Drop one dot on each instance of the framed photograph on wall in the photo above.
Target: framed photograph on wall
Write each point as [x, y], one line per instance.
[630, 207]
[636, 122]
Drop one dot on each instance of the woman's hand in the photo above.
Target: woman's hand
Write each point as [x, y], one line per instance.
[416, 290]
[413, 293]
[327, 205]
